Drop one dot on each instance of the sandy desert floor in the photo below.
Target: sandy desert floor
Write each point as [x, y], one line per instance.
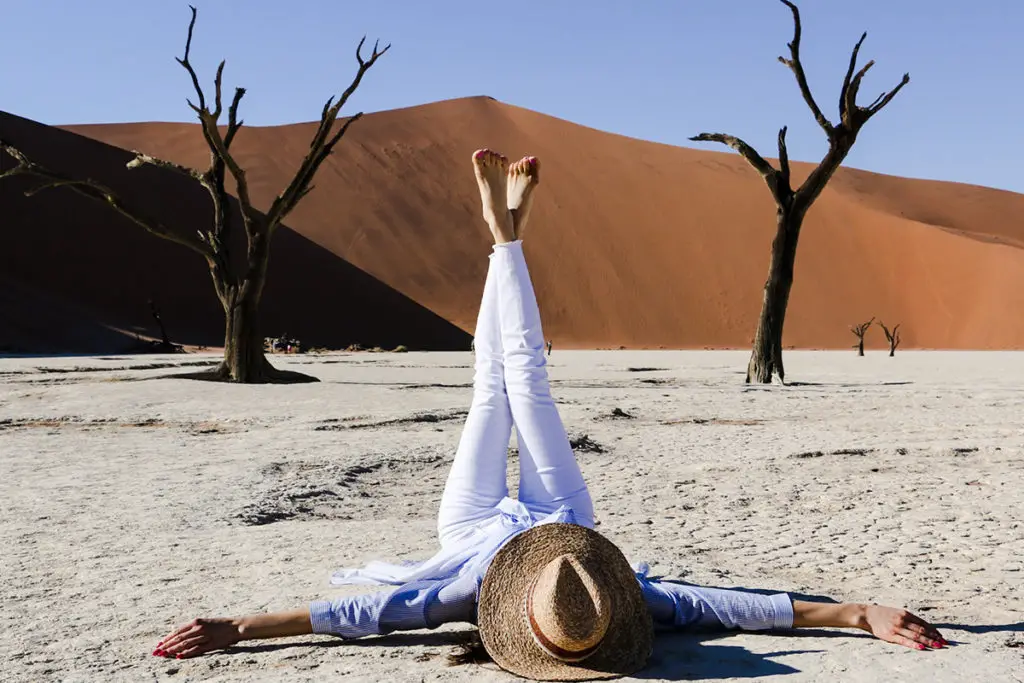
[132, 503]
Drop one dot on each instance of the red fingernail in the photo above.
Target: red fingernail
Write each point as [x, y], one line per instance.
[920, 646]
[160, 643]
[156, 653]
[179, 656]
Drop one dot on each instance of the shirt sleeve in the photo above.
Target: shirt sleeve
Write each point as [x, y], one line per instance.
[349, 616]
[417, 605]
[680, 605]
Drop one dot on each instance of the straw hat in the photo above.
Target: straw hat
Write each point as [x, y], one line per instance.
[559, 602]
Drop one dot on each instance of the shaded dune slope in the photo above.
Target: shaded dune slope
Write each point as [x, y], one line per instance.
[85, 272]
[633, 243]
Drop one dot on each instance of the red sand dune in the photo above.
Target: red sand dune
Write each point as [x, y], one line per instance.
[633, 243]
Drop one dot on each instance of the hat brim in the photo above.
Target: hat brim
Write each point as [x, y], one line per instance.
[506, 634]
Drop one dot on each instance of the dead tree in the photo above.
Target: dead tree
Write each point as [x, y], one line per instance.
[239, 287]
[860, 331]
[165, 340]
[792, 205]
[892, 336]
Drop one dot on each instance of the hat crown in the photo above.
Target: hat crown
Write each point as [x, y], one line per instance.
[568, 608]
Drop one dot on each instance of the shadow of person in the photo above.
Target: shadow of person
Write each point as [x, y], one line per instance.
[984, 628]
[680, 656]
[677, 656]
[410, 639]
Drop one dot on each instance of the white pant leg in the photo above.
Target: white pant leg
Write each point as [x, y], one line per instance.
[549, 475]
[477, 480]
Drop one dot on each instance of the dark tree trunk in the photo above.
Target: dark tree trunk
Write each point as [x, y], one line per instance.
[766, 358]
[892, 351]
[244, 361]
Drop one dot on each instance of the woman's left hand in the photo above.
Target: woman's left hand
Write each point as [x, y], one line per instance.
[895, 625]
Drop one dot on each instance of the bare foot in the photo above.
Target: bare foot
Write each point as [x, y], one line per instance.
[490, 168]
[523, 177]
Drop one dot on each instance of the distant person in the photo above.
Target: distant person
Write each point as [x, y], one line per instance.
[553, 599]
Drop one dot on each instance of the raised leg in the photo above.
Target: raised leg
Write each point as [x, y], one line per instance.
[549, 474]
[477, 480]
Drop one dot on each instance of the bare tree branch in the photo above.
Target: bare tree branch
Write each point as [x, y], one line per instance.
[849, 73]
[861, 330]
[850, 108]
[783, 157]
[234, 123]
[188, 66]
[220, 157]
[851, 114]
[798, 70]
[320, 147]
[97, 191]
[217, 83]
[745, 150]
[885, 99]
[147, 160]
[876, 100]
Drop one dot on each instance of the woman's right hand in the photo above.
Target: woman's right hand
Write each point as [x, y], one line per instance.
[199, 636]
[895, 625]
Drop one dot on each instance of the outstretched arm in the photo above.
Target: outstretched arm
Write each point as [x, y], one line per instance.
[416, 606]
[680, 605]
[890, 624]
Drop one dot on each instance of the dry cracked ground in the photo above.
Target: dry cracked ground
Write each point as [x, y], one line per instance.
[134, 501]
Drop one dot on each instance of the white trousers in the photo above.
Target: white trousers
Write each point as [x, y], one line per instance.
[510, 388]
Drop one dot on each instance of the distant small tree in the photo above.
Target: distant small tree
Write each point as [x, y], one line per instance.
[892, 336]
[860, 331]
[792, 205]
[238, 289]
[165, 339]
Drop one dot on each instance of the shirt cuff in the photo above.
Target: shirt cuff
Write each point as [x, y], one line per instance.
[783, 607]
[320, 616]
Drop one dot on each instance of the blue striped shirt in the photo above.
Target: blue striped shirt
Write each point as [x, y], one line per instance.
[428, 604]
[444, 588]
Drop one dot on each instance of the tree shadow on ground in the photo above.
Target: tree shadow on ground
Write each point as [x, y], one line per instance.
[823, 385]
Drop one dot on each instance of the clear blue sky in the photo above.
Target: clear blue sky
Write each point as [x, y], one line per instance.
[655, 69]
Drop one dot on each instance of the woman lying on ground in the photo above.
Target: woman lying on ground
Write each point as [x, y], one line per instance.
[553, 599]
